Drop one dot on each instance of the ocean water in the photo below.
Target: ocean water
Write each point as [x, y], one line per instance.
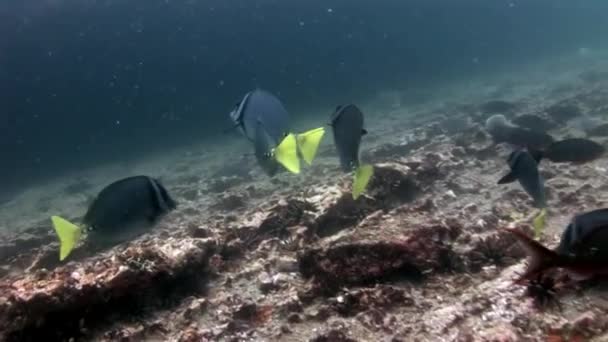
[93, 91]
[83, 83]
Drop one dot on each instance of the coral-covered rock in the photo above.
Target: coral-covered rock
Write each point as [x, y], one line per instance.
[52, 303]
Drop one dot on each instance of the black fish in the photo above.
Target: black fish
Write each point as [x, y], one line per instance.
[583, 249]
[576, 150]
[504, 131]
[524, 168]
[347, 127]
[121, 211]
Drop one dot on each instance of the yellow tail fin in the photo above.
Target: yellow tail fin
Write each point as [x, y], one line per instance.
[308, 142]
[539, 223]
[287, 154]
[362, 176]
[68, 234]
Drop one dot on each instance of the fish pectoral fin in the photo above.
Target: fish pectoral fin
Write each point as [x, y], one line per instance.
[68, 234]
[286, 153]
[363, 174]
[308, 143]
[539, 223]
[508, 178]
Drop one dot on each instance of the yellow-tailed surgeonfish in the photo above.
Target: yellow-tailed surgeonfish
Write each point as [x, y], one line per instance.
[347, 126]
[121, 211]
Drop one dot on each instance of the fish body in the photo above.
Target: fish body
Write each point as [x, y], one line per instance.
[260, 106]
[582, 251]
[263, 120]
[347, 126]
[133, 200]
[263, 144]
[576, 150]
[121, 211]
[502, 130]
[524, 168]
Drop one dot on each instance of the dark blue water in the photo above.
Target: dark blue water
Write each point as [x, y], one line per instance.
[85, 82]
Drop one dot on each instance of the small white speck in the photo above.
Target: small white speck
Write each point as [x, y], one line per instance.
[330, 10]
[221, 83]
[118, 122]
[301, 23]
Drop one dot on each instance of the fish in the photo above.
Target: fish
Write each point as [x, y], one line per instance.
[575, 150]
[524, 169]
[503, 130]
[263, 120]
[121, 211]
[582, 251]
[347, 126]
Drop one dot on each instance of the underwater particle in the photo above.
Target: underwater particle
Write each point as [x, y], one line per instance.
[347, 126]
[121, 211]
[502, 130]
[582, 250]
[263, 120]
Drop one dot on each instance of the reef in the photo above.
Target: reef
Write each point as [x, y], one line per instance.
[421, 256]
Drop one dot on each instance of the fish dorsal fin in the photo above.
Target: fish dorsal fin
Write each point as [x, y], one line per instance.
[308, 143]
[286, 153]
[508, 178]
[363, 174]
[68, 234]
[336, 114]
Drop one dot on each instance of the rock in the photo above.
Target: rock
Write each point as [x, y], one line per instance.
[266, 283]
[196, 307]
[498, 333]
[333, 336]
[32, 306]
[365, 256]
